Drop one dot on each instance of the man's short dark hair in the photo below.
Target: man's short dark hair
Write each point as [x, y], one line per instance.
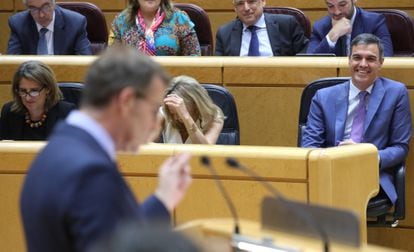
[116, 69]
[367, 39]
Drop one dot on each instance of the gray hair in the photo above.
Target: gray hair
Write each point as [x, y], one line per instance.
[25, 2]
[368, 39]
[117, 69]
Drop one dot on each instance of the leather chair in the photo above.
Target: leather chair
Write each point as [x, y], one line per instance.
[379, 210]
[230, 134]
[202, 26]
[96, 23]
[401, 28]
[302, 19]
[72, 92]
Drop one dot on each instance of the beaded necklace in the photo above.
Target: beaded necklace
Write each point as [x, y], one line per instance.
[33, 124]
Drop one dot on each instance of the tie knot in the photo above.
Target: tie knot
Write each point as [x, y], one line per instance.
[362, 95]
[252, 28]
[43, 30]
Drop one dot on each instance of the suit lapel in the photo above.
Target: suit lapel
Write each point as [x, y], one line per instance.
[341, 112]
[272, 27]
[33, 35]
[58, 33]
[375, 100]
[358, 26]
[236, 35]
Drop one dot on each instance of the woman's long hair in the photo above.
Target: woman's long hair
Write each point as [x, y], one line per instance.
[194, 95]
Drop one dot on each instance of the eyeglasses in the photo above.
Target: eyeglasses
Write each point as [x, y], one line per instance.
[44, 9]
[31, 92]
[241, 3]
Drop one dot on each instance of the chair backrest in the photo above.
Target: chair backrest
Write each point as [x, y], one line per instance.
[302, 19]
[72, 92]
[230, 134]
[306, 99]
[202, 26]
[401, 28]
[96, 23]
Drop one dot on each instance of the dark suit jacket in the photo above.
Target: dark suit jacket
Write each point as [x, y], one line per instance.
[12, 124]
[285, 34]
[73, 194]
[69, 36]
[387, 126]
[365, 22]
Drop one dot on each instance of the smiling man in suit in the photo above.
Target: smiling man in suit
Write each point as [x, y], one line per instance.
[334, 32]
[255, 33]
[47, 29]
[366, 109]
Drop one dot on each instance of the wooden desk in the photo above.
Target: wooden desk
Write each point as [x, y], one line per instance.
[267, 93]
[321, 176]
[205, 230]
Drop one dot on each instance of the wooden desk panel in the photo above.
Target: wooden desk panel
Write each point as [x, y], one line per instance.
[288, 169]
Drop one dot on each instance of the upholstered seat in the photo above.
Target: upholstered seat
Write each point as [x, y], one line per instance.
[302, 19]
[230, 134]
[96, 24]
[401, 28]
[202, 26]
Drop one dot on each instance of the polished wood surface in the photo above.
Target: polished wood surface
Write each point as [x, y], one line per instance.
[309, 175]
[202, 230]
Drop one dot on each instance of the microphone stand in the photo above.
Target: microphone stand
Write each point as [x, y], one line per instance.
[233, 163]
[206, 162]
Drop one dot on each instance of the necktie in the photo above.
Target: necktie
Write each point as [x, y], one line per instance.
[342, 46]
[359, 119]
[42, 44]
[254, 42]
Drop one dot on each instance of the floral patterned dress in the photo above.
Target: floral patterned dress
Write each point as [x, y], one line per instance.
[175, 35]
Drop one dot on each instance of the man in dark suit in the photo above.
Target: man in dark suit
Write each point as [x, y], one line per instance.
[366, 109]
[74, 193]
[334, 33]
[254, 33]
[45, 28]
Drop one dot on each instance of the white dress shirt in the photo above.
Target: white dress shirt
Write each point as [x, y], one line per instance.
[265, 48]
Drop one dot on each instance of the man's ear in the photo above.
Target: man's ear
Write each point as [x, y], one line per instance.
[126, 101]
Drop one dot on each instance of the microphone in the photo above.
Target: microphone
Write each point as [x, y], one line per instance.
[233, 163]
[205, 161]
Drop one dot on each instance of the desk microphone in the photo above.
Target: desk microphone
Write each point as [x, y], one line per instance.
[233, 163]
[206, 162]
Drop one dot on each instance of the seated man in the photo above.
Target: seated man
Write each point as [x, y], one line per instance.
[45, 28]
[256, 34]
[333, 33]
[366, 109]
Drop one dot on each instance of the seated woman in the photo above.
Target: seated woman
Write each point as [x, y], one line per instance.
[155, 28]
[190, 116]
[36, 105]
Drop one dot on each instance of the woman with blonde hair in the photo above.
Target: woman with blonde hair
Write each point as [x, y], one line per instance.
[190, 116]
[155, 28]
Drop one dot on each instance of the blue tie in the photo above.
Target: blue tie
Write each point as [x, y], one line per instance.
[254, 42]
[42, 44]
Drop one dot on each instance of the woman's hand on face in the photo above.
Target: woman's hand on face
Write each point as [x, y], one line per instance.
[177, 105]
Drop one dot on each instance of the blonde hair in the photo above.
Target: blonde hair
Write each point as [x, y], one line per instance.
[194, 95]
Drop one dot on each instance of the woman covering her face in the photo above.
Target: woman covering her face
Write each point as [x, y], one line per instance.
[36, 105]
[190, 116]
[155, 27]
